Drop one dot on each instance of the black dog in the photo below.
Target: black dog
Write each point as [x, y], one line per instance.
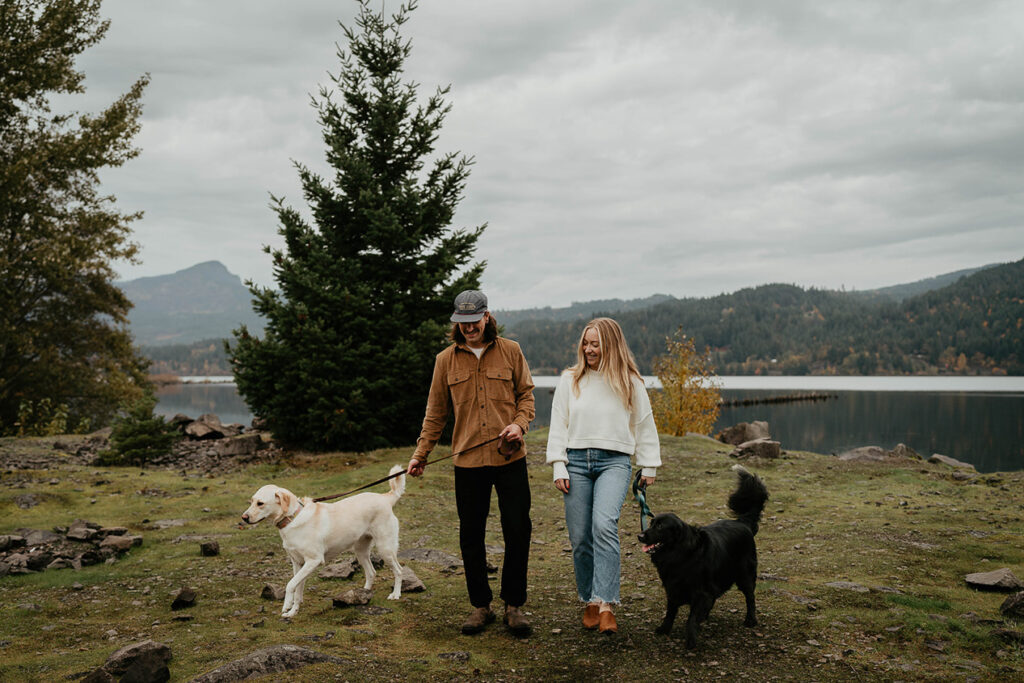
[698, 564]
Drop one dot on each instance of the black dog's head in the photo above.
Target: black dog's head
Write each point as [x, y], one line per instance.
[666, 531]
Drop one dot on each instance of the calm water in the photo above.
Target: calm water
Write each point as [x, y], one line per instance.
[979, 420]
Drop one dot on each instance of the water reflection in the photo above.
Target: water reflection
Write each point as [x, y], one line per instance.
[984, 429]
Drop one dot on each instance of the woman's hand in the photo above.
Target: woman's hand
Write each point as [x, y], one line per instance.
[646, 481]
[562, 485]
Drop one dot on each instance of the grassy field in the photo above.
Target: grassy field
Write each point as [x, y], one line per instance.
[908, 534]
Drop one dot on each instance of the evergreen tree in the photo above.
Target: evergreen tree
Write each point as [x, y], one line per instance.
[64, 342]
[366, 288]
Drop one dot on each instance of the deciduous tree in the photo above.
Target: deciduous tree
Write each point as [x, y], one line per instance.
[690, 396]
[63, 333]
[365, 287]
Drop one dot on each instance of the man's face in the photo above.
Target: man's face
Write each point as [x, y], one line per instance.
[474, 332]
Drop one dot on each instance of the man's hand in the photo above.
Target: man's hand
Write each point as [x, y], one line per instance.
[512, 433]
[415, 467]
[562, 485]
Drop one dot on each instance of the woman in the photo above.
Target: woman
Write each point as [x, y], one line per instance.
[600, 416]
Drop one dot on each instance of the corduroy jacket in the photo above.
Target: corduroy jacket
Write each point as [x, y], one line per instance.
[485, 394]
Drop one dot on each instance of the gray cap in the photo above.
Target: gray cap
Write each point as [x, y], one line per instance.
[470, 306]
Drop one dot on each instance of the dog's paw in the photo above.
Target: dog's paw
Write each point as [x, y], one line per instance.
[394, 596]
[663, 630]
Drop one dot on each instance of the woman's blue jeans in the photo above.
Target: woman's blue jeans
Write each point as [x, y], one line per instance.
[598, 482]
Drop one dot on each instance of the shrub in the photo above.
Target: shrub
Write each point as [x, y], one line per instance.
[690, 397]
[138, 436]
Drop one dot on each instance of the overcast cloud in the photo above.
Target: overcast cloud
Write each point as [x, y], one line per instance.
[622, 148]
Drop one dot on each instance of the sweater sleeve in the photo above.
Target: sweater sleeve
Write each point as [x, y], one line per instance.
[558, 432]
[645, 432]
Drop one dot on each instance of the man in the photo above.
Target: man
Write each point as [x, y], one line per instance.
[485, 381]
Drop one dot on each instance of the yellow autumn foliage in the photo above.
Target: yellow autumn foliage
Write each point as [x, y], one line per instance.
[690, 395]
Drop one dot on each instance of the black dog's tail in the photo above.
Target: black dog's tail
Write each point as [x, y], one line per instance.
[747, 501]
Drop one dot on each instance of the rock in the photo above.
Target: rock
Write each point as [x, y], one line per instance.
[1013, 606]
[119, 544]
[34, 537]
[9, 542]
[185, 598]
[26, 501]
[209, 549]
[38, 560]
[180, 421]
[276, 659]
[272, 592]
[356, 596]
[760, 448]
[410, 582]
[339, 570]
[952, 462]
[246, 444]
[206, 426]
[864, 454]
[82, 533]
[997, 580]
[904, 451]
[431, 556]
[140, 662]
[743, 432]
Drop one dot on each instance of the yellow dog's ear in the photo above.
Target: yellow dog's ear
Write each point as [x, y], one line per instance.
[284, 499]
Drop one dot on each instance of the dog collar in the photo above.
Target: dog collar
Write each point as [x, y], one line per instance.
[285, 521]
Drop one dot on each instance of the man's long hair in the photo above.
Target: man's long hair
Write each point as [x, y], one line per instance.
[617, 361]
[490, 331]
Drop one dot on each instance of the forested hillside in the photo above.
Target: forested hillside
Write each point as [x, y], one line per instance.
[971, 326]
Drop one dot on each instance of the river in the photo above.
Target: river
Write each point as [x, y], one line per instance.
[979, 420]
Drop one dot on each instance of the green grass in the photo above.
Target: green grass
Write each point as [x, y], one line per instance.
[910, 534]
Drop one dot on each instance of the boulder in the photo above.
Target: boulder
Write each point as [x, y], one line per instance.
[1013, 607]
[997, 580]
[206, 426]
[356, 596]
[272, 592]
[186, 597]
[410, 582]
[275, 659]
[743, 432]
[759, 448]
[339, 570]
[865, 454]
[209, 549]
[139, 663]
[952, 462]
[904, 451]
[246, 444]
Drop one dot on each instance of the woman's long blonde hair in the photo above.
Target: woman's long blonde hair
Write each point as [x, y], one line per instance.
[617, 361]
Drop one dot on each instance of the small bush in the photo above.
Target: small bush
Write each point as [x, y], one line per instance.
[689, 398]
[138, 436]
[44, 418]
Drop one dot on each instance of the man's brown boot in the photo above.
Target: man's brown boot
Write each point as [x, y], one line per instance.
[476, 620]
[517, 622]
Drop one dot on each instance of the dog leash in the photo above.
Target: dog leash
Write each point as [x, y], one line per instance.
[640, 493]
[396, 474]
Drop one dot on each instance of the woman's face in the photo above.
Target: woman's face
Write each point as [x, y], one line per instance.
[592, 348]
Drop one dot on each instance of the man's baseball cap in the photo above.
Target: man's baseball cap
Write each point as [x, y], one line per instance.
[470, 306]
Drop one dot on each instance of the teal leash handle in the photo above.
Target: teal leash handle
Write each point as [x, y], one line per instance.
[640, 493]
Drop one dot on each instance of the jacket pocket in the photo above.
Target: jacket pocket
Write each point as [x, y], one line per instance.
[499, 384]
[459, 387]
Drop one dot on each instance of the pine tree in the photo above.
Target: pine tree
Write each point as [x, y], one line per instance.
[64, 341]
[365, 289]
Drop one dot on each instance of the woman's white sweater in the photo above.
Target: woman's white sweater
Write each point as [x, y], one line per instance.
[597, 419]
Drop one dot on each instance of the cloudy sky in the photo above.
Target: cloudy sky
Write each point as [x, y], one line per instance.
[622, 148]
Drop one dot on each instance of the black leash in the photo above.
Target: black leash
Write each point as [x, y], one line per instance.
[640, 493]
[396, 474]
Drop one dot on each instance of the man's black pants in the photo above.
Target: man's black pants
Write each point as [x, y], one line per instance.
[473, 502]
